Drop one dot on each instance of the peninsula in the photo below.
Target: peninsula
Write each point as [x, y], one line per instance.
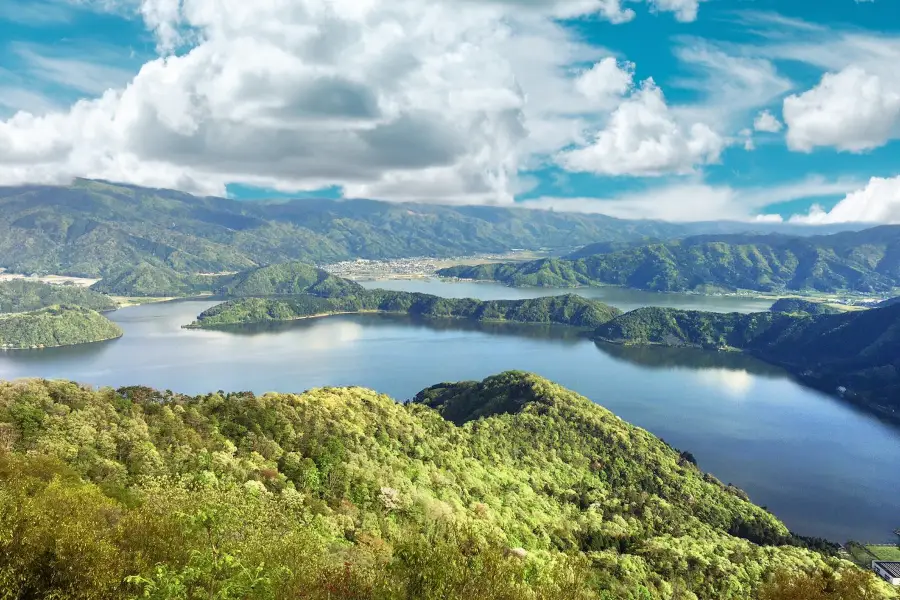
[55, 326]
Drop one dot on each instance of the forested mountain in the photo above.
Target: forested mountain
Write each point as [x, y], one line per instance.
[55, 326]
[284, 279]
[856, 352]
[797, 305]
[512, 489]
[19, 295]
[570, 309]
[93, 228]
[864, 261]
[147, 280]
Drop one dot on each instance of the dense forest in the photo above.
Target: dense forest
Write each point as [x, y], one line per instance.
[94, 229]
[798, 305]
[866, 261]
[564, 310]
[856, 354]
[20, 295]
[147, 280]
[512, 489]
[55, 326]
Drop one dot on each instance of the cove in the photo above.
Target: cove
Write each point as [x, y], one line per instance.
[818, 464]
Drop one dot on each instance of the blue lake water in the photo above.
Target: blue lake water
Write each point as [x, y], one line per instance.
[823, 467]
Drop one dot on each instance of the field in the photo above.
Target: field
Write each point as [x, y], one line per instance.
[864, 554]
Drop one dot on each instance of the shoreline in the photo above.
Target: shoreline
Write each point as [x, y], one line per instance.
[196, 326]
[22, 348]
[826, 298]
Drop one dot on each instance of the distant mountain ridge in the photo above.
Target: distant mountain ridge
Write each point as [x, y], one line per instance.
[93, 228]
[865, 261]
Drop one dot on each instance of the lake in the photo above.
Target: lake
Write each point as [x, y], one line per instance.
[820, 465]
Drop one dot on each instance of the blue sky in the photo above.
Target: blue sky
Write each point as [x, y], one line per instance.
[331, 98]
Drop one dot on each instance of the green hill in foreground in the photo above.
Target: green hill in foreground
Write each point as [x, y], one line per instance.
[563, 310]
[55, 326]
[513, 488]
[20, 295]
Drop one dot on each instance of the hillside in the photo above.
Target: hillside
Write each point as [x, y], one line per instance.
[797, 305]
[855, 352]
[94, 228]
[20, 295]
[146, 280]
[563, 310]
[55, 326]
[153, 281]
[285, 279]
[867, 261]
[342, 493]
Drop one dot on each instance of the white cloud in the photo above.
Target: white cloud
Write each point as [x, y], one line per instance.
[80, 75]
[878, 202]
[850, 110]
[685, 10]
[695, 200]
[767, 122]
[605, 80]
[644, 138]
[397, 99]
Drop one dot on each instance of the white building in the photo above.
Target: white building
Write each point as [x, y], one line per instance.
[889, 571]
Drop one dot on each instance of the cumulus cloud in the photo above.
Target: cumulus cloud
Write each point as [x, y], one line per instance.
[644, 138]
[877, 202]
[684, 201]
[406, 99]
[606, 79]
[767, 122]
[850, 110]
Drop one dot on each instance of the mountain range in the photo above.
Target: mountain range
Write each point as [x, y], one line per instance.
[865, 261]
[95, 228]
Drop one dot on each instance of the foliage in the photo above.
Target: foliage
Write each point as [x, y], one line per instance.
[20, 295]
[93, 228]
[146, 280]
[821, 585]
[533, 493]
[856, 353]
[866, 261]
[566, 310]
[285, 279]
[797, 306]
[55, 326]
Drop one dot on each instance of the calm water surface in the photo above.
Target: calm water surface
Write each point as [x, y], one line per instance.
[622, 298]
[821, 466]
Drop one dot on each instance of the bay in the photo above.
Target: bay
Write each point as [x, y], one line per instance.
[819, 464]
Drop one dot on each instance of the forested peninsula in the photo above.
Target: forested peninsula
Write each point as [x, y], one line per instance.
[20, 295]
[55, 326]
[512, 488]
[280, 279]
[570, 309]
[865, 262]
[853, 354]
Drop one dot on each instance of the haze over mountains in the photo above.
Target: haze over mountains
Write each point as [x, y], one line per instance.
[95, 228]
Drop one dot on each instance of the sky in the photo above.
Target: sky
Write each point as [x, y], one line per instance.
[681, 110]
